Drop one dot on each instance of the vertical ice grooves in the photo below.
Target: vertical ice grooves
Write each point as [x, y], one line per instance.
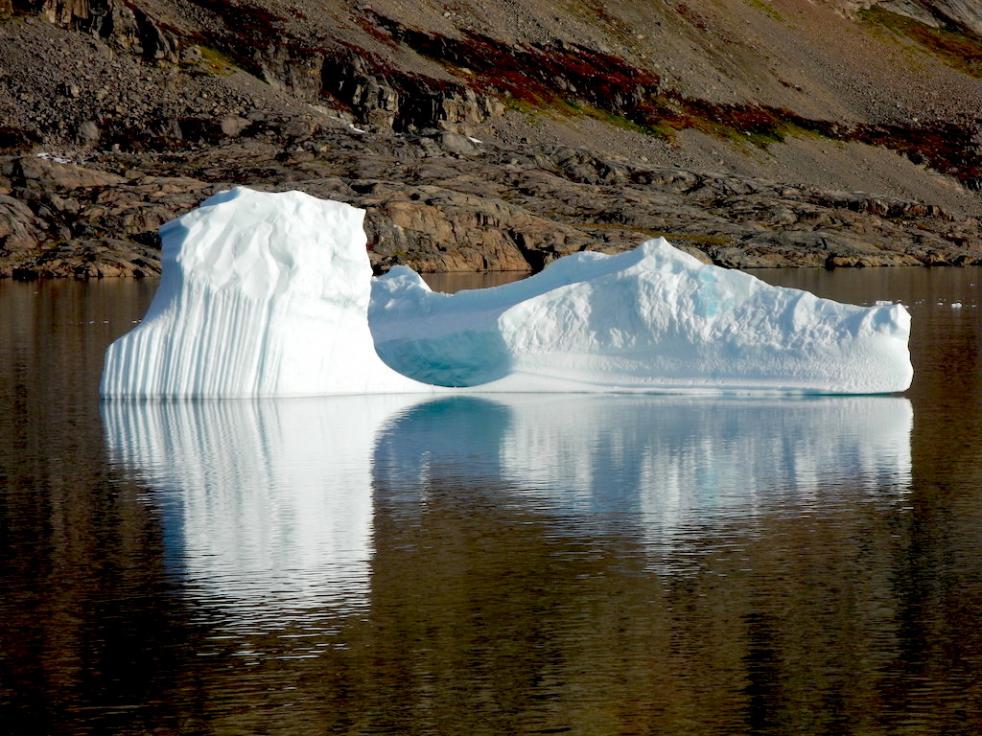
[262, 295]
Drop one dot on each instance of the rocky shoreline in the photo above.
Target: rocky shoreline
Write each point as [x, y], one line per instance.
[459, 205]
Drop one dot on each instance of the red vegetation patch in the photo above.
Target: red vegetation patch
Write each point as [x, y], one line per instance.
[946, 147]
[253, 22]
[537, 74]
[742, 118]
[692, 16]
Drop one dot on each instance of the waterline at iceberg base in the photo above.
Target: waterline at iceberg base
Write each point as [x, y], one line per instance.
[269, 295]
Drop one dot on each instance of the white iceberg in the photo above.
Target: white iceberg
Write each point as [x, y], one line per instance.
[651, 319]
[272, 295]
[261, 295]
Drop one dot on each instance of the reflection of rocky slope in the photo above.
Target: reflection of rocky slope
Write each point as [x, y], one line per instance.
[736, 128]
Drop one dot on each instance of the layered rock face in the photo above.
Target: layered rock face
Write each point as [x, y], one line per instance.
[473, 212]
[963, 14]
[125, 24]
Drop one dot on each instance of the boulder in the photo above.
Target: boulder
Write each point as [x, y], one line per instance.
[233, 125]
[88, 132]
[33, 172]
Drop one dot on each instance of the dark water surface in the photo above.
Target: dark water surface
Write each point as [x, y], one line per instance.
[593, 565]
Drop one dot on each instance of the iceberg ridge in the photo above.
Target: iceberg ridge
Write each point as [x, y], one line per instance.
[650, 319]
[272, 295]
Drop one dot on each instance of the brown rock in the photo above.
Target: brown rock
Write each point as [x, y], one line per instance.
[88, 132]
[233, 125]
[20, 230]
[457, 144]
[41, 173]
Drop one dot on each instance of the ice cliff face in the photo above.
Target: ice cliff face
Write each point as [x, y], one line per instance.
[272, 295]
[261, 295]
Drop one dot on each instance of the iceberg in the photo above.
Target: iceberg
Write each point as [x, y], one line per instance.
[272, 295]
[650, 319]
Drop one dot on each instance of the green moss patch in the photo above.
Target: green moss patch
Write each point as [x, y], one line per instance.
[215, 62]
[765, 8]
[953, 47]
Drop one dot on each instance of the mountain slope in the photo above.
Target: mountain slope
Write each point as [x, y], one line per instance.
[786, 103]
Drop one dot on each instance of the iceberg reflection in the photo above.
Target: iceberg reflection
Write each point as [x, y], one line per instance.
[657, 463]
[674, 463]
[269, 507]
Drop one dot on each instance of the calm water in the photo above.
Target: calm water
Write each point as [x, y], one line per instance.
[592, 565]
